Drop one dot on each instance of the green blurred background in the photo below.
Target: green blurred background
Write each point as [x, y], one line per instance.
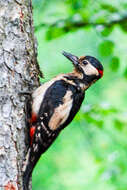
[91, 153]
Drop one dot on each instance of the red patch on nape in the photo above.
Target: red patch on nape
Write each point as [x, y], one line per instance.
[100, 72]
[33, 118]
[32, 132]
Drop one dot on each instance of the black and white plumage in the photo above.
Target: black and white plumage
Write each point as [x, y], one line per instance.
[54, 105]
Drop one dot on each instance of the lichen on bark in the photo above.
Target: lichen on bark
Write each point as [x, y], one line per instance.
[18, 72]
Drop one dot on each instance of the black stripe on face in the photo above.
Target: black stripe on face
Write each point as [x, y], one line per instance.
[88, 79]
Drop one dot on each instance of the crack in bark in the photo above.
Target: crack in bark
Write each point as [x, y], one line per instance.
[18, 2]
[8, 67]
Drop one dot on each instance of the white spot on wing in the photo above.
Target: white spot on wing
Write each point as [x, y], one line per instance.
[62, 112]
[25, 163]
[36, 148]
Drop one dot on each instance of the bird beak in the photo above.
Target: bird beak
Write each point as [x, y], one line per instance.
[74, 59]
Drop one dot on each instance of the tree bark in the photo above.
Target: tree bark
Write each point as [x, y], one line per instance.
[18, 72]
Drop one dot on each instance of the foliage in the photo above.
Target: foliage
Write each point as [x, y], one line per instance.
[91, 152]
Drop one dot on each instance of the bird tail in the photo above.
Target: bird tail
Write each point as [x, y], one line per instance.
[28, 167]
[26, 177]
[27, 171]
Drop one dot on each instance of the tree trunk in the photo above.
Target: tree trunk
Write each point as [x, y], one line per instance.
[18, 72]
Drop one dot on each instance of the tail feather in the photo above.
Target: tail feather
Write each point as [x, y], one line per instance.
[27, 171]
[29, 165]
[26, 177]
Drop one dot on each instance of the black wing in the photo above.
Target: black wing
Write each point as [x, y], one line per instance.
[61, 103]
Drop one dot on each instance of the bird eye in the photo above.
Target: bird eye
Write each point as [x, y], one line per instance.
[85, 62]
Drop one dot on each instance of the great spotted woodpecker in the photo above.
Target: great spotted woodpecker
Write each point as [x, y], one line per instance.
[54, 105]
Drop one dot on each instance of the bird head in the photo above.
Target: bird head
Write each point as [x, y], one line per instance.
[88, 67]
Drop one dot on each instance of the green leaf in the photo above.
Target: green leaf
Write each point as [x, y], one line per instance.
[106, 48]
[54, 33]
[118, 124]
[106, 31]
[109, 8]
[124, 26]
[115, 63]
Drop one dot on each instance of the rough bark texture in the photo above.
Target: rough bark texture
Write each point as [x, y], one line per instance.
[18, 72]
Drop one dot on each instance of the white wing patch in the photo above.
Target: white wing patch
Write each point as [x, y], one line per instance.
[38, 94]
[62, 112]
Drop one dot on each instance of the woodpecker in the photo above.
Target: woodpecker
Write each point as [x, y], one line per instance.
[55, 104]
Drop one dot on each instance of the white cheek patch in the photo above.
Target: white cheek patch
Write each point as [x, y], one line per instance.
[90, 70]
